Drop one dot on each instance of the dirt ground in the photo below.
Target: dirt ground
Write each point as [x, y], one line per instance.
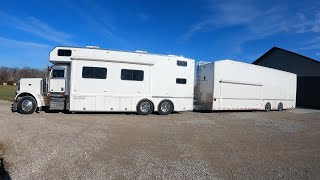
[220, 145]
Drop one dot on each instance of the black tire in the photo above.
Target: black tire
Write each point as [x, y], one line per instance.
[27, 105]
[165, 107]
[145, 107]
[267, 107]
[280, 107]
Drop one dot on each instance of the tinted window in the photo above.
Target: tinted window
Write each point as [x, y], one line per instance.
[181, 81]
[94, 72]
[182, 63]
[64, 52]
[58, 73]
[132, 75]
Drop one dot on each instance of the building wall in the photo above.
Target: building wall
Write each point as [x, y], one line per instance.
[307, 70]
[308, 92]
[290, 62]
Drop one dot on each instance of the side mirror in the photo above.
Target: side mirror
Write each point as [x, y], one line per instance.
[50, 71]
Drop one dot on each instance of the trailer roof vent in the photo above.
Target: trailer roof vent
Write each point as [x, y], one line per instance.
[93, 47]
[143, 52]
[64, 52]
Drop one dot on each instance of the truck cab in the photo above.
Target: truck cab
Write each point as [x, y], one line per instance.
[33, 94]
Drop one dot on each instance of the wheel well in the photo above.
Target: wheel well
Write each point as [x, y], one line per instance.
[27, 94]
[268, 103]
[147, 100]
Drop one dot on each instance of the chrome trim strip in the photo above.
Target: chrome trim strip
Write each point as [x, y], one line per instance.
[238, 82]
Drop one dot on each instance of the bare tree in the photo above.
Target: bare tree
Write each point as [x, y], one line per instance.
[12, 75]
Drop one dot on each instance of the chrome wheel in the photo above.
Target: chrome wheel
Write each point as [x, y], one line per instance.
[165, 107]
[26, 105]
[145, 107]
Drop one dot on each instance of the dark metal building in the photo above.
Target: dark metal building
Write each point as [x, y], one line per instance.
[307, 70]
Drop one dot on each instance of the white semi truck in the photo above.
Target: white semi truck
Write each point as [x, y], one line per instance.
[231, 85]
[97, 80]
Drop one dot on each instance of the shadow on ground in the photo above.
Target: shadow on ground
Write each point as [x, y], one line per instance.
[4, 175]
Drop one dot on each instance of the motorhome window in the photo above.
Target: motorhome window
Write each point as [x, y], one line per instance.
[58, 73]
[94, 72]
[132, 75]
[181, 81]
[182, 63]
[64, 52]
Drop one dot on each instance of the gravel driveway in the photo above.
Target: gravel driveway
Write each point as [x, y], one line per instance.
[221, 145]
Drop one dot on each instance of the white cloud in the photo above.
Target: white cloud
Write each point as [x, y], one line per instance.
[97, 17]
[257, 20]
[36, 27]
[17, 53]
[311, 44]
[13, 42]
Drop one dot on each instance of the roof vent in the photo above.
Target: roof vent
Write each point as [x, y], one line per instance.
[93, 47]
[143, 52]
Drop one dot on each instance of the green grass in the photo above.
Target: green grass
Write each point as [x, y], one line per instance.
[7, 92]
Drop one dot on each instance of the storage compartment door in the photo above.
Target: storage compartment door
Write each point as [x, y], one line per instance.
[125, 103]
[84, 103]
[236, 95]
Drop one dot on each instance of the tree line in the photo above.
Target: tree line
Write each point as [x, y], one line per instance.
[11, 75]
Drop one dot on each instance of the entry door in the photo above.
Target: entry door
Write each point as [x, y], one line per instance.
[57, 82]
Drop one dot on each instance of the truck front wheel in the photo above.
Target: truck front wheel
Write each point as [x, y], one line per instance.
[27, 105]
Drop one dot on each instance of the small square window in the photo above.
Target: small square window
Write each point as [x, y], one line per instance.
[64, 52]
[182, 63]
[181, 81]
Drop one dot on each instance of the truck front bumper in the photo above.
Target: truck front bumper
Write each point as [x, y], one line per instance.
[14, 106]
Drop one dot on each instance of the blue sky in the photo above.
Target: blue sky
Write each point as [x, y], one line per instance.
[205, 30]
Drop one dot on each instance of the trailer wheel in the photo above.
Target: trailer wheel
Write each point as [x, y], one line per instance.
[280, 107]
[267, 107]
[27, 105]
[144, 107]
[165, 107]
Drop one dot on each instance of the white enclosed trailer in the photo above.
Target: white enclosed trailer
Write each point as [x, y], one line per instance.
[231, 85]
[97, 80]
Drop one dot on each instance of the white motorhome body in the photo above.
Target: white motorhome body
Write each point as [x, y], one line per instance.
[231, 85]
[97, 80]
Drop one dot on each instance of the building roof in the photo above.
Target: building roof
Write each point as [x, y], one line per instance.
[277, 48]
